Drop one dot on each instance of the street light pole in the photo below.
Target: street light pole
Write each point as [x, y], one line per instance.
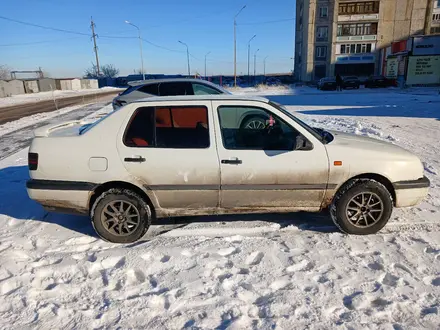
[187, 56]
[249, 56]
[235, 45]
[264, 64]
[140, 45]
[255, 64]
[205, 63]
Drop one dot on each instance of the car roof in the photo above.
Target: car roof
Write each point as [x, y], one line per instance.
[159, 81]
[217, 97]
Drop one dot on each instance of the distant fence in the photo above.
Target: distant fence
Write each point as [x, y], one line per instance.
[28, 86]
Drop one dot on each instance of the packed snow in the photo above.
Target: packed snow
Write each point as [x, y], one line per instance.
[290, 271]
[56, 94]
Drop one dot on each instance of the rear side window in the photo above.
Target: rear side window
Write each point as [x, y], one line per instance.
[169, 127]
[129, 90]
[200, 89]
[152, 89]
[175, 88]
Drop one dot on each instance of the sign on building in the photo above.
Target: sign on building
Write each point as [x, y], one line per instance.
[423, 70]
[392, 68]
[426, 45]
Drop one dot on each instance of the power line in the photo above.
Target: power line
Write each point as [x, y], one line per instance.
[43, 27]
[162, 47]
[269, 22]
[36, 42]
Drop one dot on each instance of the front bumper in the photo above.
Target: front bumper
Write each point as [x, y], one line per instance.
[410, 193]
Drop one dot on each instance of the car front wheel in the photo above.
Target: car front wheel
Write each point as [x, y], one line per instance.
[121, 216]
[362, 207]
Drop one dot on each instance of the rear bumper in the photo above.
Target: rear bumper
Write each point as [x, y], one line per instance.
[410, 193]
[60, 196]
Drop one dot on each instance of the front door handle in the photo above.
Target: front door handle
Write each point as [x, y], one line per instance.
[134, 159]
[233, 161]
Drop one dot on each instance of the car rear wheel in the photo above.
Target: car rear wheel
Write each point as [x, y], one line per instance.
[121, 216]
[254, 122]
[362, 207]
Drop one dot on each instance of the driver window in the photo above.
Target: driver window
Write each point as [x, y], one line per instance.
[252, 128]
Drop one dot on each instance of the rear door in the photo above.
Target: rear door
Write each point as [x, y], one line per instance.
[171, 150]
[261, 165]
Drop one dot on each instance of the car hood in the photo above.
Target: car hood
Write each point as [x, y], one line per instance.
[364, 146]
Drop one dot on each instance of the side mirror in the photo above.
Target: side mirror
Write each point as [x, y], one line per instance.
[302, 143]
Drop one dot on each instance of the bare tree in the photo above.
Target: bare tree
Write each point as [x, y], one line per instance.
[5, 72]
[91, 73]
[109, 70]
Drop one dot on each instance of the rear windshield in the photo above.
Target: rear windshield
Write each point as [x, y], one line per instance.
[87, 127]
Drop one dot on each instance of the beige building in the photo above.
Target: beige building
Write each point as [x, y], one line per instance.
[346, 36]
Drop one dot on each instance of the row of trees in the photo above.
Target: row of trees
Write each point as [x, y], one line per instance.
[107, 70]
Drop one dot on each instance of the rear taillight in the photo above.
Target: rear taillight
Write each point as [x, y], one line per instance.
[33, 161]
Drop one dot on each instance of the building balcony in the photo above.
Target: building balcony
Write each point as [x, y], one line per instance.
[357, 18]
[357, 38]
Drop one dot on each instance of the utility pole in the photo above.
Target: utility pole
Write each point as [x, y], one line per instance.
[249, 57]
[140, 46]
[264, 65]
[205, 63]
[187, 56]
[255, 64]
[235, 46]
[92, 25]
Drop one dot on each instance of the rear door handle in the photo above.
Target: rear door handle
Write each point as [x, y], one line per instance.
[134, 159]
[234, 161]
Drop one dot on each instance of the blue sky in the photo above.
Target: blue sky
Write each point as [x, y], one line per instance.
[206, 26]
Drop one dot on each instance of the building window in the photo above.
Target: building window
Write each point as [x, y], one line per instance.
[355, 48]
[359, 29]
[369, 7]
[321, 52]
[435, 30]
[323, 12]
[322, 33]
[436, 17]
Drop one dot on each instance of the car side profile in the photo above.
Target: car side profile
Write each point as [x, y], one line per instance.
[166, 87]
[176, 156]
[351, 82]
[327, 83]
[377, 81]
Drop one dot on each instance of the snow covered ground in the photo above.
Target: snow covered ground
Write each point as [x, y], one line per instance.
[291, 271]
[36, 97]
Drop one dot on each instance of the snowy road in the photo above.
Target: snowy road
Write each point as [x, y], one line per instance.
[290, 271]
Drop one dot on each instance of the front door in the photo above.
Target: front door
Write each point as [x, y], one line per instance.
[267, 159]
[172, 151]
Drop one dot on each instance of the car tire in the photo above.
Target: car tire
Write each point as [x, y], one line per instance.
[254, 122]
[352, 216]
[118, 223]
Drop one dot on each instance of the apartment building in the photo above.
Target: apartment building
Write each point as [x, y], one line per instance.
[346, 36]
[435, 24]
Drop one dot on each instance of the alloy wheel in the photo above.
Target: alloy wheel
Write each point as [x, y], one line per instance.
[365, 209]
[120, 217]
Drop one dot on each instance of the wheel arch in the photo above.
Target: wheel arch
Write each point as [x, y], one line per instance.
[99, 190]
[376, 177]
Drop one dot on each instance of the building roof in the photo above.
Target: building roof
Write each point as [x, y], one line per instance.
[219, 97]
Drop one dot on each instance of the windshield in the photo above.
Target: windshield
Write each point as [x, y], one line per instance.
[322, 135]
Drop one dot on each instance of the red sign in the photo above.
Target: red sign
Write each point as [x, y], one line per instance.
[399, 46]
